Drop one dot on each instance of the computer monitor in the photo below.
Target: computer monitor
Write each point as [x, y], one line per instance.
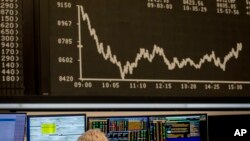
[12, 127]
[178, 128]
[55, 127]
[121, 128]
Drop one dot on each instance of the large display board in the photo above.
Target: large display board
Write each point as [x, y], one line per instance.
[163, 48]
[124, 52]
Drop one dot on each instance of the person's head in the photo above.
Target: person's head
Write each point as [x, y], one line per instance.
[93, 135]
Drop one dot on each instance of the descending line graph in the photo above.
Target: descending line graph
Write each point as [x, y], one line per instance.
[128, 68]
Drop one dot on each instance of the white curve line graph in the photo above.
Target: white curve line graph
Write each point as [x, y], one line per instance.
[128, 67]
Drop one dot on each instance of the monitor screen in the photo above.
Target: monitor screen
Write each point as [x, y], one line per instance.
[121, 128]
[12, 127]
[178, 128]
[55, 127]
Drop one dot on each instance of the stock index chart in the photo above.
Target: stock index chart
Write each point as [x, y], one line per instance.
[168, 48]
